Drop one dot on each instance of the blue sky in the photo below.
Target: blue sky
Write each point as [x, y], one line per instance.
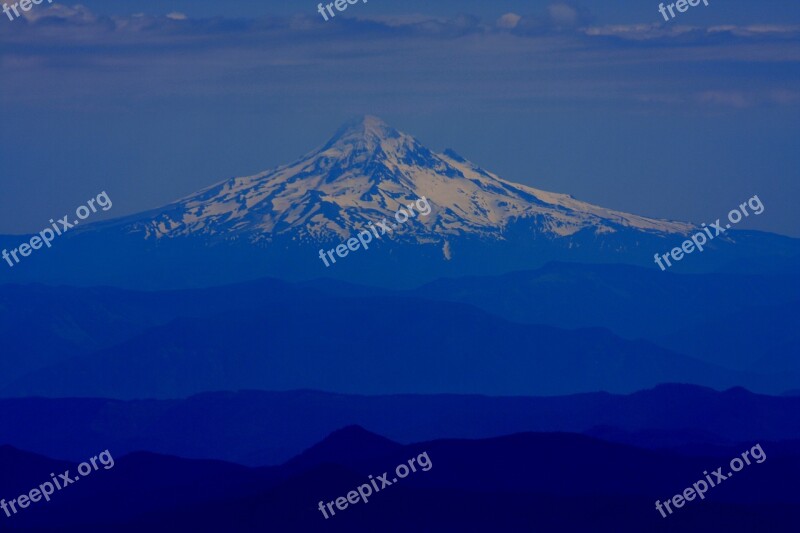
[153, 100]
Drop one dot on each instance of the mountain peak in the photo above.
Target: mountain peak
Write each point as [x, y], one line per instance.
[348, 445]
[373, 125]
[366, 131]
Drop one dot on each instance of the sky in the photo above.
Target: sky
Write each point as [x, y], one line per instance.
[152, 100]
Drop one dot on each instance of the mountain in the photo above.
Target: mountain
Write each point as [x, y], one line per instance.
[744, 322]
[275, 223]
[373, 346]
[723, 321]
[510, 483]
[347, 445]
[365, 173]
[260, 428]
[45, 325]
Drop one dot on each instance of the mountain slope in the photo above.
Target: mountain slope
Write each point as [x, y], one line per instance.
[371, 346]
[366, 172]
[752, 318]
[634, 302]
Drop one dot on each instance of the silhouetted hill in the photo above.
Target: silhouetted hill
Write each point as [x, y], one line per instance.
[43, 325]
[17, 466]
[348, 446]
[260, 428]
[374, 346]
[748, 323]
[550, 481]
[762, 338]
[744, 322]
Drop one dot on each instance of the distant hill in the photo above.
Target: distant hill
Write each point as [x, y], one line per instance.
[373, 346]
[737, 330]
[268, 428]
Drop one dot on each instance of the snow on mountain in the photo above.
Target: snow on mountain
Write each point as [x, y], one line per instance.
[365, 173]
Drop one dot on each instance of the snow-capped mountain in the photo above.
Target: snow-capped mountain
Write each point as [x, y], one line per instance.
[276, 224]
[365, 173]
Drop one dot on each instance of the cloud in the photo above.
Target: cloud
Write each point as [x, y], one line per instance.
[515, 60]
[65, 24]
[772, 30]
[639, 32]
[785, 96]
[563, 14]
[508, 21]
[708, 35]
[559, 17]
[733, 99]
[60, 13]
[745, 99]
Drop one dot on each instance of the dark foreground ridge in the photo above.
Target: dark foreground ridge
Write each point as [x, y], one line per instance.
[522, 482]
